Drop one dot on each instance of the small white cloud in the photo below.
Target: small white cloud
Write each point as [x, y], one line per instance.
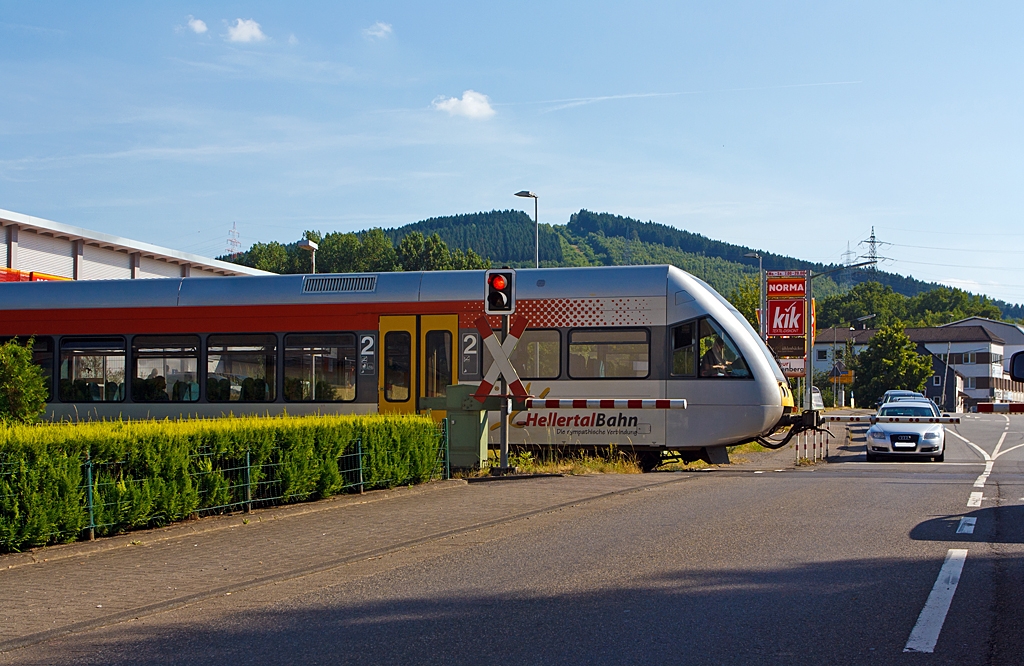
[472, 105]
[293, 40]
[245, 30]
[197, 26]
[379, 30]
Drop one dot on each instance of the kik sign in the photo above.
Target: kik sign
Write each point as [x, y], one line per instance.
[786, 317]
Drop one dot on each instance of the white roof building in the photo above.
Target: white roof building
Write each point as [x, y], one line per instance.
[31, 245]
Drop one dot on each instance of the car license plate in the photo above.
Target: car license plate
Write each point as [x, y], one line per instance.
[904, 441]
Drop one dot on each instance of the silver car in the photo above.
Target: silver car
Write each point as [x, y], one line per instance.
[919, 440]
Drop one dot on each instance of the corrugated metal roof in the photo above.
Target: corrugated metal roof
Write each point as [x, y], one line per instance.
[59, 230]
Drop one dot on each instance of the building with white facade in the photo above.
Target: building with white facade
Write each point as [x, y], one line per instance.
[33, 248]
[967, 355]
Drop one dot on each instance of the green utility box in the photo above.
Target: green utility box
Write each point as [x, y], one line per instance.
[467, 424]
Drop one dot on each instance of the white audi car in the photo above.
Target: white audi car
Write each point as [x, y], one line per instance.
[919, 440]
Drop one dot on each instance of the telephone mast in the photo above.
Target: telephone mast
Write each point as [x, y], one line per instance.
[234, 247]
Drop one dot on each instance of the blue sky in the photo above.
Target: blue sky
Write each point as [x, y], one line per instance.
[792, 127]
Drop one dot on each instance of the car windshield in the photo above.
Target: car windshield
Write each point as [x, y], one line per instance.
[906, 410]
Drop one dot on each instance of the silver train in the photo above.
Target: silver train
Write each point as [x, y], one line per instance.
[381, 342]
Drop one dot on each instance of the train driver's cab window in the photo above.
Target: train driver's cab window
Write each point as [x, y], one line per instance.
[241, 368]
[92, 369]
[438, 356]
[684, 350]
[622, 353]
[397, 366]
[42, 355]
[719, 356]
[165, 368]
[320, 368]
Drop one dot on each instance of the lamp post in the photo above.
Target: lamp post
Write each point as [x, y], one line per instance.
[311, 247]
[760, 291]
[526, 194]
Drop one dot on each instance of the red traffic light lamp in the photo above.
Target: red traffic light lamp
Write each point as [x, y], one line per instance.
[500, 292]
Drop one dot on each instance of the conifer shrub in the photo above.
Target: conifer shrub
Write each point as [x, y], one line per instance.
[151, 473]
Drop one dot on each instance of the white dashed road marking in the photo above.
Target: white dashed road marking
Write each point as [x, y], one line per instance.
[966, 525]
[925, 634]
[975, 500]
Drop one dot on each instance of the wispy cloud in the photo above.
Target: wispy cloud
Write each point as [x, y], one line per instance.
[378, 30]
[31, 28]
[472, 105]
[245, 31]
[197, 26]
[571, 102]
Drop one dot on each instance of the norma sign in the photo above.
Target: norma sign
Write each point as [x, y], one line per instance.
[786, 317]
[784, 347]
[786, 287]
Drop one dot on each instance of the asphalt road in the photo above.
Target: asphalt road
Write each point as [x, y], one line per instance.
[842, 563]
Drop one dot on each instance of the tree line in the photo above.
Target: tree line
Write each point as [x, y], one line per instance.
[935, 307]
[371, 251]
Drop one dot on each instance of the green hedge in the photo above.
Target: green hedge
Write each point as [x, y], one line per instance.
[151, 473]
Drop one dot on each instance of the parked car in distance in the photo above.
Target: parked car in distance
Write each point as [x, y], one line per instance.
[817, 403]
[893, 394]
[920, 440]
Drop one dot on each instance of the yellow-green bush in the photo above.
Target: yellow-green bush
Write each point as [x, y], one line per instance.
[150, 473]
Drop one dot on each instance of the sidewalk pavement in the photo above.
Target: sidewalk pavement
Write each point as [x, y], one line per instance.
[74, 587]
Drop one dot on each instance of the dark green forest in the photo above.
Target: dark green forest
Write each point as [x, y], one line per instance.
[506, 237]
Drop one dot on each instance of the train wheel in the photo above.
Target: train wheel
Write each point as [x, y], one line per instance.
[648, 460]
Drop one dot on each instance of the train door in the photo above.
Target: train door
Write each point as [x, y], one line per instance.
[418, 353]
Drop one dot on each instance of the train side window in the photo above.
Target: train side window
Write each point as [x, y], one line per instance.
[438, 356]
[165, 368]
[42, 355]
[241, 368]
[684, 351]
[397, 366]
[92, 369]
[537, 355]
[320, 368]
[618, 353]
[719, 356]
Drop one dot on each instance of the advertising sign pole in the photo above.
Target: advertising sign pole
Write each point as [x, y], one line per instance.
[809, 345]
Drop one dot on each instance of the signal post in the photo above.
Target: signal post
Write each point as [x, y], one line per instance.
[500, 299]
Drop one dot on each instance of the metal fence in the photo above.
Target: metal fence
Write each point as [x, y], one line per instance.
[113, 501]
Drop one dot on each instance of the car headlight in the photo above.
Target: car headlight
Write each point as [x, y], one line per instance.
[932, 435]
[876, 434]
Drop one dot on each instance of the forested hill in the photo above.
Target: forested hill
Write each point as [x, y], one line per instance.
[506, 237]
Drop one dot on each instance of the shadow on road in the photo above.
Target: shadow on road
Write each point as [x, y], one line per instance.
[745, 616]
[997, 524]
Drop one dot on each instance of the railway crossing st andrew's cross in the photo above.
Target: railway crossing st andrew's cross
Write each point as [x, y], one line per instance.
[500, 353]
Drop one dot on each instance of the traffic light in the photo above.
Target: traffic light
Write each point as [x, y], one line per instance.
[500, 292]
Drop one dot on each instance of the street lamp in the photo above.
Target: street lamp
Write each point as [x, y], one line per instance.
[526, 194]
[760, 291]
[311, 247]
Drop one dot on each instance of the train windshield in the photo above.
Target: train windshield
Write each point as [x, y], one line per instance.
[769, 356]
[702, 348]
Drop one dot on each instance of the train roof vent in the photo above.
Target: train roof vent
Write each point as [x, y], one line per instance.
[334, 284]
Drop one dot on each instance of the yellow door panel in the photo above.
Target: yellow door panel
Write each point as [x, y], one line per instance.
[398, 359]
[438, 337]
